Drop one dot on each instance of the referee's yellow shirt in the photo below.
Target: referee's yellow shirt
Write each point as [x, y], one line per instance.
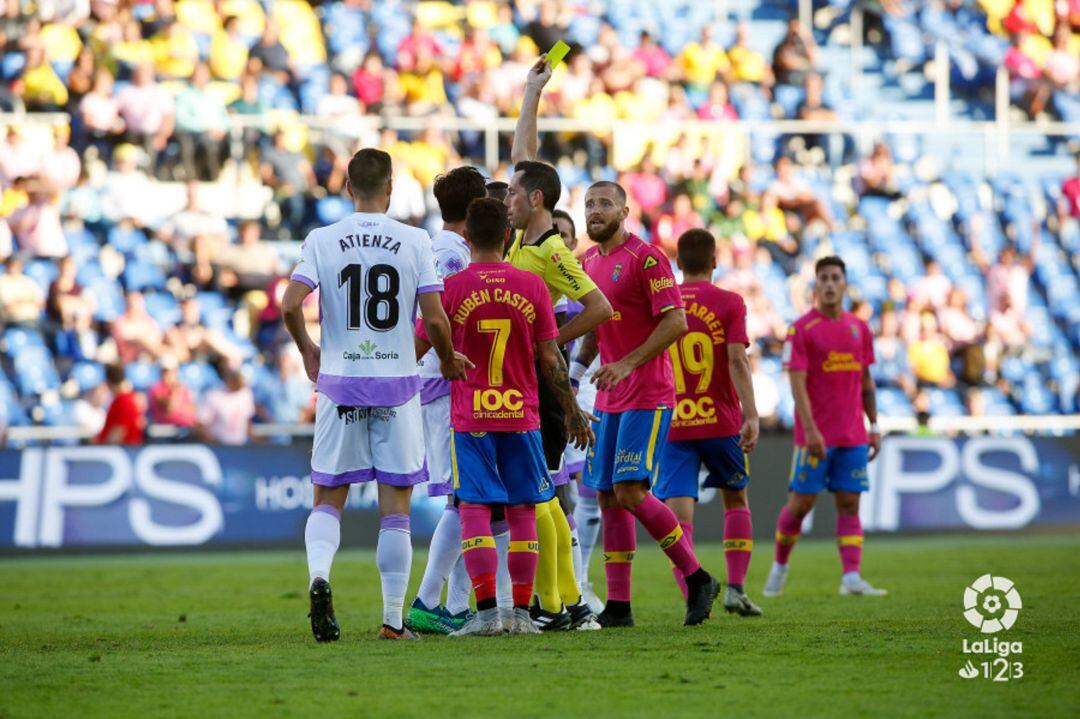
[554, 262]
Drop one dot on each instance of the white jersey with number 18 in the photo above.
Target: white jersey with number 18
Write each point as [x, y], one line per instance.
[369, 270]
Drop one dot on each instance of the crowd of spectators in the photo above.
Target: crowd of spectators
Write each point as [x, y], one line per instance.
[122, 251]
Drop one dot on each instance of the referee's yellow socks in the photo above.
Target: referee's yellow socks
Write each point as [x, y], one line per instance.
[546, 585]
[568, 584]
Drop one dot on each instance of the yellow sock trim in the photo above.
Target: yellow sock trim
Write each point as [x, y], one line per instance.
[850, 540]
[468, 545]
[786, 538]
[525, 546]
[738, 545]
[672, 537]
[618, 557]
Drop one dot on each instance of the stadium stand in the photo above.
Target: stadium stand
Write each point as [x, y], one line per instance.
[177, 152]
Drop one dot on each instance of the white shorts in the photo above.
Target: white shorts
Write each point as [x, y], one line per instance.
[586, 397]
[437, 433]
[359, 444]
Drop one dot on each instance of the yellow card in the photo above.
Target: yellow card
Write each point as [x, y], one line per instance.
[556, 54]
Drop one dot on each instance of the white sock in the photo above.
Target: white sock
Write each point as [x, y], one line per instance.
[458, 588]
[587, 518]
[393, 556]
[322, 535]
[575, 550]
[504, 590]
[443, 554]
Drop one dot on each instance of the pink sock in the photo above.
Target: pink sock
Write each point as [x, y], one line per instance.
[788, 528]
[620, 542]
[524, 552]
[738, 542]
[688, 532]
[478, 548]
[662, 525]
[849, 537]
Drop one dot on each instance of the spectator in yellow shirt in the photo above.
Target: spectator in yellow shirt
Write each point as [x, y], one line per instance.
[703, 62]
[928, 356]
[228, 51]
[424, 88]
[747, 64]
[133, 50]
[42, 89]
[175, 52]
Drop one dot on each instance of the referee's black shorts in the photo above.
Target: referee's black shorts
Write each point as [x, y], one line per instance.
[552, 422]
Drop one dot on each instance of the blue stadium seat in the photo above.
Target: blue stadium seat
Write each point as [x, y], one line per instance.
[15, 413]
[163, 307]
[210, 302]
[140, 276]
[42, 272]
[894, 403]
[87, 375]
[125, 239]
[16, 339]
[199, 376]
[35, 371]
[143, 375]
[333, 208]
[110, 301]
[789, 97]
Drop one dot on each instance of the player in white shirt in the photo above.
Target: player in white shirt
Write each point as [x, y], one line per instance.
[373, 272]
[453, 191]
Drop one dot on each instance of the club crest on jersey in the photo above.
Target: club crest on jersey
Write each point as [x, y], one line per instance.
[855, 331]
[616, 273]
[454, 265]
[650, 262]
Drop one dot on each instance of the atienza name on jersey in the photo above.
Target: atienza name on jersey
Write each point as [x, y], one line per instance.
[369, 270]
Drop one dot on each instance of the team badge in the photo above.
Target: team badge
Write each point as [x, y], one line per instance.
[453, 265]
[556, 258]
[855, 331]
[616, 273]
[650, 262]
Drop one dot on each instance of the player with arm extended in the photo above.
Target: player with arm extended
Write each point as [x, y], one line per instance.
[372, 272]
[828, 354]
[533, 192]
[716, 421]
[504, 316]
[634, 401]
[453, 192]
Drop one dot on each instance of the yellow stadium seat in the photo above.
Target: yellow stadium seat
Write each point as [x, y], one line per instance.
[249, 13]
[482, 14]
[296, 132]
[198, 15]
[436, 14]
[301, 33]
[61, 42]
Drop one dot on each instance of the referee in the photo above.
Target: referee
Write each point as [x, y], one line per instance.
[532, 194]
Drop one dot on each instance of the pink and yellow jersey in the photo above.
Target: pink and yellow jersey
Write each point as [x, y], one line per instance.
[497, 315]
[636, 278]
[833, 353]
[706, 405]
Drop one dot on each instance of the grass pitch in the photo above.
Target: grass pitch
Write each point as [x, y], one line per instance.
[208, 635]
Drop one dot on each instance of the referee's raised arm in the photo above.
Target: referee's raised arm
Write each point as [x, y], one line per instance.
[526, 139]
